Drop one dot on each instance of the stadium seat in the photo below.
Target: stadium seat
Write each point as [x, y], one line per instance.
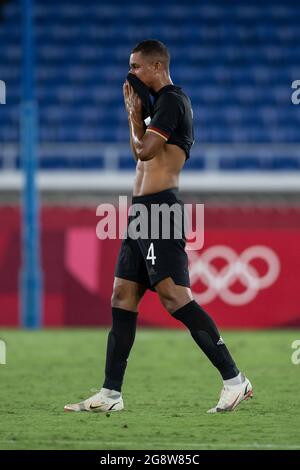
[237, 74]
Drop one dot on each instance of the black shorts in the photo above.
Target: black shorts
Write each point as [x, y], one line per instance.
[148, 260]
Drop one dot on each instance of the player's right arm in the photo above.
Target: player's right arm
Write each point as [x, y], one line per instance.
[133, 107]
[135, 130]
[145, 146]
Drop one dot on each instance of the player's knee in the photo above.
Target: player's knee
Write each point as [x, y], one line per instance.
[119, 296]
[122, 298]
[170, 301]
[173, 296]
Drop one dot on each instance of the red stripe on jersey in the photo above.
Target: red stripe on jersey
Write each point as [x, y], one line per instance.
[163, 133]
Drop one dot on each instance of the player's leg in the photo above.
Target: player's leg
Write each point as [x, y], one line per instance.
[127, 292]
[129, 288]
[179, 302]
[125, 299]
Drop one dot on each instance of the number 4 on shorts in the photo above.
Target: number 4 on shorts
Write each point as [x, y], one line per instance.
[150, 254]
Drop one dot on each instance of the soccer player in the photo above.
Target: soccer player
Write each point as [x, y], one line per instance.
[160, 151]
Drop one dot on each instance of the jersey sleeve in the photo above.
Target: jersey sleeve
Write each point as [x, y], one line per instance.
[167, 114]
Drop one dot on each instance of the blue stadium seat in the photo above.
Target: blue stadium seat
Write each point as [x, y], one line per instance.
[236, 62]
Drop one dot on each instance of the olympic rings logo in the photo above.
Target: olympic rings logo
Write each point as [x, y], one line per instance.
[237, 268]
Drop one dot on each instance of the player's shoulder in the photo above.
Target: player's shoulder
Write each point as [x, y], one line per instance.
[172, 96]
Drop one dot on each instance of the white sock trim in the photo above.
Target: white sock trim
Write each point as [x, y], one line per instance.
[238, 380]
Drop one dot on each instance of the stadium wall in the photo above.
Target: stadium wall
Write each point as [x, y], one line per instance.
[246, 275]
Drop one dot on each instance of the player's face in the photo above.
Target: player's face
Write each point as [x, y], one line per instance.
[142, 68]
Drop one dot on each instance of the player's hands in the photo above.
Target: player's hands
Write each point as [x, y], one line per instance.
[133, 104]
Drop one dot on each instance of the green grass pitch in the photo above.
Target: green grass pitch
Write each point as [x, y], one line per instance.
[168, 387]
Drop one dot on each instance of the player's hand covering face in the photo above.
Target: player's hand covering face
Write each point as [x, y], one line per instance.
[133, 103]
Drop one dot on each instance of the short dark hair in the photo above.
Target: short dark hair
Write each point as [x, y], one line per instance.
[154, 48]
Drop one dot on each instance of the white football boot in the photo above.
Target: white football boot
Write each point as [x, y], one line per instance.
[232, 395]
[105, 400]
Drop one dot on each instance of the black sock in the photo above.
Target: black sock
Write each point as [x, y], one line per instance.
[207, 336]
[119, 343]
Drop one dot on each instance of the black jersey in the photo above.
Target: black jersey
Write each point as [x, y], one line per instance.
[144, 94]
[173, 117]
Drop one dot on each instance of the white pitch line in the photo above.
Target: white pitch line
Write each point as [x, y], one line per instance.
[167, 445]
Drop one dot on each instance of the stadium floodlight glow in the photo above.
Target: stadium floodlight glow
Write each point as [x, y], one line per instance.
[2, 92]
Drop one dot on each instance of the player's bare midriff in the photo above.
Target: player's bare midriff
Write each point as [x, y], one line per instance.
[159, 173]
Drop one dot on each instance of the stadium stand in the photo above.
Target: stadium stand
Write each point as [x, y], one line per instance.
[236, 61]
